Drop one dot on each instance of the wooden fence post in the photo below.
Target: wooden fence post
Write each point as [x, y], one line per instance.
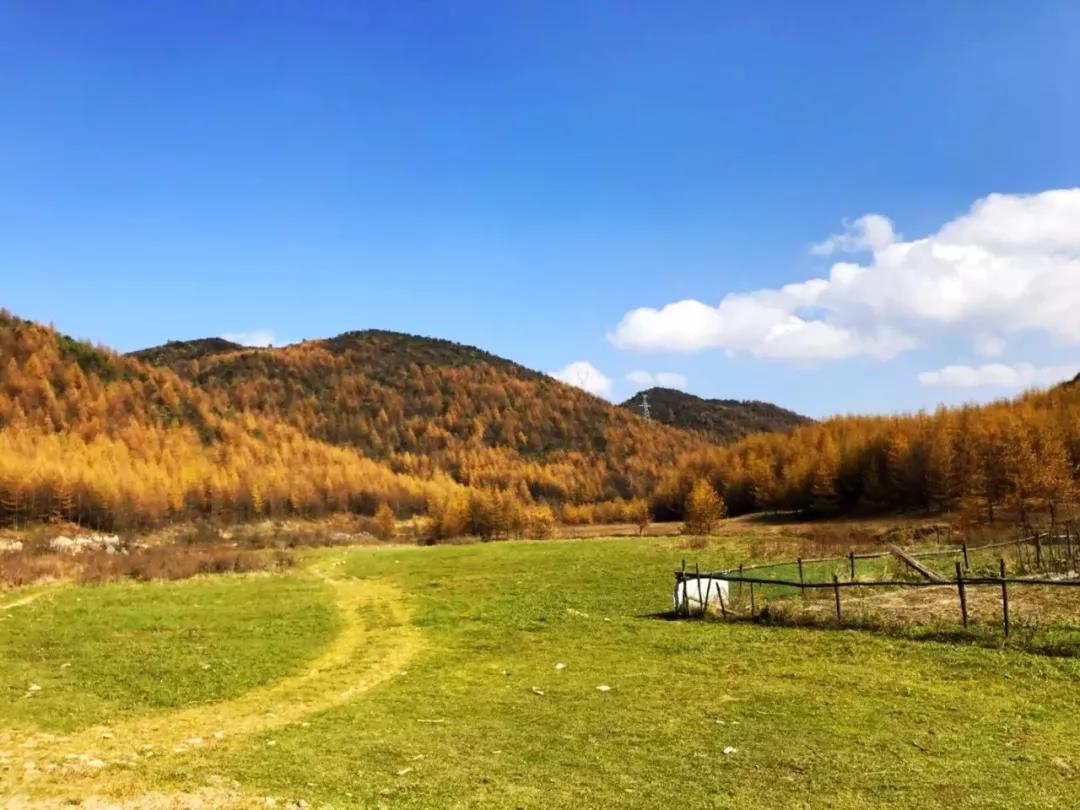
[720, 593]
[697, 574]
[851, 558]
[963, 595]
[836, 595]
[704, 604]
[1038, 552]
[1004, 599]
[740, 585]
[685, 591]
[753, 607]
[802, 584]
[967, 563]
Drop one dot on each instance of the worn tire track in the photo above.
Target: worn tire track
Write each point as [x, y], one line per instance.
[375, 618]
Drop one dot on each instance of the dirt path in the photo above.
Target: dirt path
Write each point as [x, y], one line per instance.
[375, 643]
[26, 600]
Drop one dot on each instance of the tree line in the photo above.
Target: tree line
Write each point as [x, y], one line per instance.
[475, 444]
[1021, 455]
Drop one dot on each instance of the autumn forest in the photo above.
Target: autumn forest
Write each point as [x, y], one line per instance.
[474, 443]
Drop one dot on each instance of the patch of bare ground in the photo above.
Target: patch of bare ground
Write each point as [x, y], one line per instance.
[204, 799]
[618, 530]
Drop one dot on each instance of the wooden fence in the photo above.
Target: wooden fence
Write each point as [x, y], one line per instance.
[1045, 547]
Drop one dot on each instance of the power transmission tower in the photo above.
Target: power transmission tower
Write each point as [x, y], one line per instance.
[645, 412]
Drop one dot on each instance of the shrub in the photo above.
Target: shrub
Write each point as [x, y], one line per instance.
[384, 516]
[538, 522]
[704, 509]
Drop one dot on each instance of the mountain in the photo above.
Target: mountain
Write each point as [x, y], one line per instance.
[424, 404]
[208, 427]
[722, 420]
[474, 442]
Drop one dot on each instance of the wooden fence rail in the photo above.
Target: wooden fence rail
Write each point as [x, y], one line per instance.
[1068, 538]
[877, 583]
[962, 582]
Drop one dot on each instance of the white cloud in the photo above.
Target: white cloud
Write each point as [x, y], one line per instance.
[999, 375]
[753, 324]
[869, 232]
[667, 379]
[1011, 264]
[256, 337]
[671, 379]
[989, 345]
[586, 377]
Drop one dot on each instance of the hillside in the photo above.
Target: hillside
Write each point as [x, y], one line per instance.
[179, 351]
[425, 405]
[426, 426]
[210, 428]
[1019, 457]
[722, 420]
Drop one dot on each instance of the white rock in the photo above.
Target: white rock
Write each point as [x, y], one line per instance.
[560, 666]
[33, 688]
[730, 750]
[537, 690]
[603, 688]
[109, 543]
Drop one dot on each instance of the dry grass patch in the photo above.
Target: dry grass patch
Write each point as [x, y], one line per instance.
[22, 568]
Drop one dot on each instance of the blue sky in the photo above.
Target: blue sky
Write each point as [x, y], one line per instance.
[548, 180]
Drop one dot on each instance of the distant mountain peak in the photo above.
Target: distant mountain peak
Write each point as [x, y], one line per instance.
[722, 420]
[180, 351]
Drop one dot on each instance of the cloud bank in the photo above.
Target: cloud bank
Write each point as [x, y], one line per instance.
[1010, 264]
[998, 375]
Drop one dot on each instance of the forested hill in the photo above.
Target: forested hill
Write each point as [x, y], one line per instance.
[209, 427]
[423, 403]
[427, 426]
[722, 420]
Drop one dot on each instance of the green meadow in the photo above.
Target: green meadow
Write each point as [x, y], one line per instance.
[515, 674]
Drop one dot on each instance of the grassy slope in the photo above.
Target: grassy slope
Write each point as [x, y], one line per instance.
[819, 718]
[133, 649]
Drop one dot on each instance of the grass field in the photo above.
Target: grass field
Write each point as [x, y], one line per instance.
[426, 677]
